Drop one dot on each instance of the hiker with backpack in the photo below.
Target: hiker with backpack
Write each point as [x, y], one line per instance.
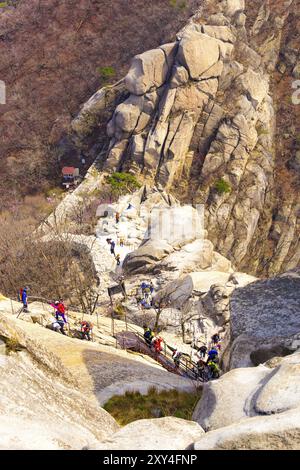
[215, 339]
[157, 344]
[176, 357]
[112, 248]
[24, 299]
[148, 335]
[151, 287]
[58, 326]
[203, 371]
[60, 310]
[22, 296]
[214, 369]
[144, 304]
[202, 352]
[212, 356]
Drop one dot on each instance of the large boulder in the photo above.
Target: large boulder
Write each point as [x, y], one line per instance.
[127, 116]
[264, 319]
[232, 7]
[179, 291]
[255, 85]
[202, 281]
[229, 399]
[145, 258]
[170, 228]
[115, 155]
[93, 110]
[160, 434]
[276, 432]
[282, 390]
[176, 293]
[177, 225]
[223, 33]
[242, 394]
[192, 257]
[220, 263]
[149, 70]
[39, 411]
[197, 52]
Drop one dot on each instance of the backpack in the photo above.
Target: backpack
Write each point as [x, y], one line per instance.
[87, 326]
[20, 295]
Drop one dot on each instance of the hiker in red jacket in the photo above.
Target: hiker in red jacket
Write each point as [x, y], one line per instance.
[60, 311]
[157, 344]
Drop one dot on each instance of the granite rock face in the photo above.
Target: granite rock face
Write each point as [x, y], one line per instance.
[200, 120]
[149, 434]
[252, 408]
[265, 319]
[276, 432]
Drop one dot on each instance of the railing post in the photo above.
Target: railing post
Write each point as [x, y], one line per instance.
[112, 324]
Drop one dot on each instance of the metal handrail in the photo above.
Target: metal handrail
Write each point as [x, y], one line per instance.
[184, 364]
[188, 365]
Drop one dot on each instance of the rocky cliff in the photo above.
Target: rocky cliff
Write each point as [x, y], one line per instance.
[206, 119]
[204, 116]
[53, 55]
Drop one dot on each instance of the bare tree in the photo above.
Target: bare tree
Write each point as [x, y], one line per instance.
[52, 269]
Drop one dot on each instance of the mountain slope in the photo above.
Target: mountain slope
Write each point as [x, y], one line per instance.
[206, 117]
[53, 55]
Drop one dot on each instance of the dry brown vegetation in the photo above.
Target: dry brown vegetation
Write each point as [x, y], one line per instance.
[287, 140]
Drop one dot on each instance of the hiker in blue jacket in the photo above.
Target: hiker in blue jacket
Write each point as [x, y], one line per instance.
[24, 299]
[212, 356]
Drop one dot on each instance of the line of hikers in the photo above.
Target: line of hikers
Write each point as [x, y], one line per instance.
[209, 368]
[60, 320]
[206, 369]
[152, 340]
